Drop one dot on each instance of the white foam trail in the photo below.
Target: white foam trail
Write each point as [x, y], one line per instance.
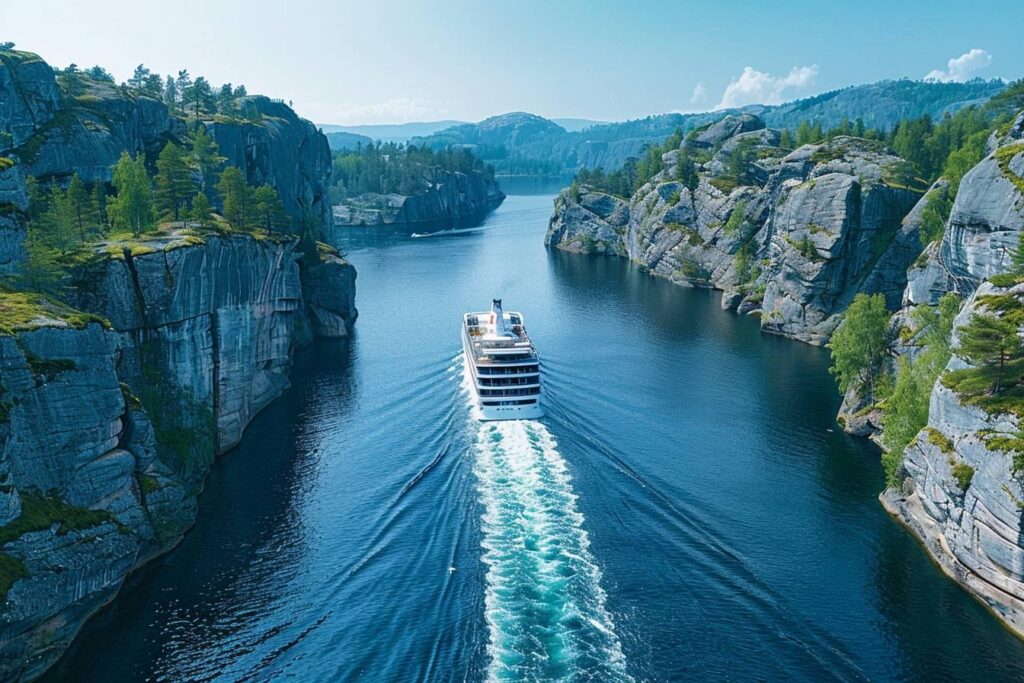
[545, 607]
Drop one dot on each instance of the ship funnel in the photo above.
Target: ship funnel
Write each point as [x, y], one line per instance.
[498, 318]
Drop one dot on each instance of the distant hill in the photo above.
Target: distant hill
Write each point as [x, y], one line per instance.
[392, 132]
[573, 125]
[525, 144]
[882, 104]
[339, 140]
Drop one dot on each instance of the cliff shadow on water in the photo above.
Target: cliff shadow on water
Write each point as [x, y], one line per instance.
[229, 577]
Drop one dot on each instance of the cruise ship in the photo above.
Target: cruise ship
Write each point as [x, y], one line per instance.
[503, 366]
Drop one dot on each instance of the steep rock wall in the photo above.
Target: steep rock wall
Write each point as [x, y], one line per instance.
[106, 433]
[450, 200]
[808, 230]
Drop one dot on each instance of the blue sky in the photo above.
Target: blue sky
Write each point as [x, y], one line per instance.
[395, 61]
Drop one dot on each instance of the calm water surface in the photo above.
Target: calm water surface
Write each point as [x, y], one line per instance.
[686, 511]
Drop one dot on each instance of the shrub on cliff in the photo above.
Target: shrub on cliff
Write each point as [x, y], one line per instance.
[906, 410]
[859, 345]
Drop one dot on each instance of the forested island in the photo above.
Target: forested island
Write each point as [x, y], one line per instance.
[410, 187]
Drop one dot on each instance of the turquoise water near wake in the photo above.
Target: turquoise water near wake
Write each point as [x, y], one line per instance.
[686, 510]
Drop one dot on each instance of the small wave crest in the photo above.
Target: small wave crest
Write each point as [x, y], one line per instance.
[544, 603]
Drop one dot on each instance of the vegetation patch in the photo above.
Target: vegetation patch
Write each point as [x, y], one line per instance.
[148, 484]
[11, 569]
[23, 311]
[724, 185]
[1004, 155]
[902, 175]
[42, 511]
[934, 214]
[6, 163]
[963, 473]
[48, 369]
[737, 223]
[1012, 444]
[937, 438]
[1006, 279]
[185, 428]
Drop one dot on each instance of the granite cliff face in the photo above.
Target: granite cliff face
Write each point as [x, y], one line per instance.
[962, 494]
[801, 235]
[450, 200]
[961, 491]
[112, 412]
[108, 428]
[823, 223]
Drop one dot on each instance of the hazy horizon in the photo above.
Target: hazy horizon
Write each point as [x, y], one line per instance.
[359, 64]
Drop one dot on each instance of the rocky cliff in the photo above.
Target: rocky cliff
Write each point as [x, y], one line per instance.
[795, 239]
[450, 200]
[51, 134]
[962, 494]
[961, 480]
[114, 403]
[110, 420]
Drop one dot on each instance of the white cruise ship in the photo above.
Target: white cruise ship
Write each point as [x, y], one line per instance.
[503, 366]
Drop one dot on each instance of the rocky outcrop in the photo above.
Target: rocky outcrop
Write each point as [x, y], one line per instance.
[13, 205]
[589, 222]
[107, 429]
[800, 235]
[449, 199]
[51, 135]
[962, 495]
[961, 491]
[987, 218]
[276, 147]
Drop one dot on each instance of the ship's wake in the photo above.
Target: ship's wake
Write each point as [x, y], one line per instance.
[545, 606]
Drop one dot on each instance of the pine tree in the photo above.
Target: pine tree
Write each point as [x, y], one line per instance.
[787, 141]
[78, 205]
[202, 212]
[803, 133]
[58, 224]
[139, 77]
[98, 207]
[992, 344]
[198, 94]
[132, 208]
[270, 208]
[184, 86]
[173, 180]
[237, 196]
[205, 157]
[42, 270]
[154, 86]
[171, 94]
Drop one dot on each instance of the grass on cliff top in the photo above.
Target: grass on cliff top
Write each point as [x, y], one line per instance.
[41, 511]
[1003, 156]
[23, 311]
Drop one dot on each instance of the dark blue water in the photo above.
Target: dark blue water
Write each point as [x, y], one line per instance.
[686, 511]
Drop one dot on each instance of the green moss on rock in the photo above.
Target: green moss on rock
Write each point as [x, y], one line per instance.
[42, 511]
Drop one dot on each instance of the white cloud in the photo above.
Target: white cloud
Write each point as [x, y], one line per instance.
[757, 87]
[396, 110]
[962, 68]
[700, 94]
